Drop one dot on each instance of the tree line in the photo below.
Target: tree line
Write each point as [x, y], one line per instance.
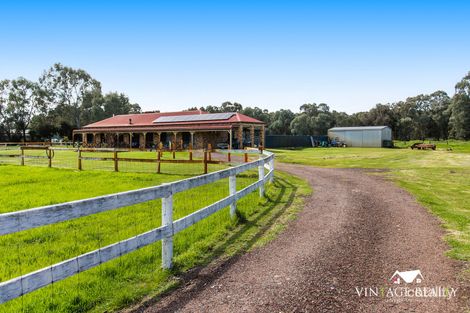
[436, 115]
[62, 99]
[65, 98]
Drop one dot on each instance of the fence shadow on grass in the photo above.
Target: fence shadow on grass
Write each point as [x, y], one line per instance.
[222, 266]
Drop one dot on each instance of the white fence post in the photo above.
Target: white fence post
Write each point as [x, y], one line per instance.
[261, 177]
[232, 187]
[271, 168]
[167, 242]
[28, 219]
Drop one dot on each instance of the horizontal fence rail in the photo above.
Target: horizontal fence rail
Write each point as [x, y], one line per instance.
[49, 154]
[27, 219]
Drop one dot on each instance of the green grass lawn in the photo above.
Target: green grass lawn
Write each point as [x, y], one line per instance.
[439, 179]
[68, 159]
[397, 158]
[123, 281]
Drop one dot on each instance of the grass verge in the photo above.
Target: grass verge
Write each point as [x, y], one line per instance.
[123, 281]
[440, 180]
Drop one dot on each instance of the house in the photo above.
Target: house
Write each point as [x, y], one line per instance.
[363, 136]
[407, 277]
[174, 129]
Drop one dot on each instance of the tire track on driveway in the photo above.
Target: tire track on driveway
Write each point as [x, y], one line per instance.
[356, 230]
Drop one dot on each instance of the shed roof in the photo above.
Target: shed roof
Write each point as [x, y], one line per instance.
[358, 128]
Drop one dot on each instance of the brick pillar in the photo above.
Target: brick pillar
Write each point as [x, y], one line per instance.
[198, 141]
[156, 138]
[142, 140]
[174, 142]
[240, 137]
[84, 138]
[262, 137]
[252, 135]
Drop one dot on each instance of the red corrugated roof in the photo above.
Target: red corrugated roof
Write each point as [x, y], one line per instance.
[141, 119]
[147, 119]
[242, 118]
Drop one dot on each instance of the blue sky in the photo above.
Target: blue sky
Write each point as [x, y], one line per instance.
[170, 55]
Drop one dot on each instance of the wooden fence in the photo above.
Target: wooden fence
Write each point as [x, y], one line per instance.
[37, 143]
[116, 159]
[27, 219]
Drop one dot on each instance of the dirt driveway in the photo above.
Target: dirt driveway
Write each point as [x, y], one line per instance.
[356, 230]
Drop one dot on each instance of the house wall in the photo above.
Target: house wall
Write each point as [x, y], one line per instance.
[250, 137]
[201, 140]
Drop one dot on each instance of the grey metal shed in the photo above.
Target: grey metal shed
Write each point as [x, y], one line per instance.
[362, 136]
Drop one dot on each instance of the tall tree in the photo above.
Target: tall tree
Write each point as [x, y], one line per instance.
[22, 100]
[118, 103]
[415, 112]
[342, 119]
[257, 113]
[321, 123]
[280, 122]
[43, 127]
[67, 87]
[301, 125]
[314, 119]
[382, 115]
[231, 107]
[6, 123]
[311, 109]
[92, 107]
[405, 127]
[460, 116]
[440, 114]
[210, 109]
[361, 119]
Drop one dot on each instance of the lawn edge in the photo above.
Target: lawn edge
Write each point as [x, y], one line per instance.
[175, 280]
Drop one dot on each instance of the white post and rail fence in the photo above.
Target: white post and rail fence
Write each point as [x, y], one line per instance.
[27, 219]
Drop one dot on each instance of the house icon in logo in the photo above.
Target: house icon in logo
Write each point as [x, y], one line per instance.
[407, 277]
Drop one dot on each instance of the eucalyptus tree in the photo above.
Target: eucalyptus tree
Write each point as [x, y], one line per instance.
[6, 124]
[314, 119]
[460, 116]
[440, 109]
[67, 87]
[118, 103]
[301, 125]
[228, 106]
[257, 113]
[281, 122]
[21, 100]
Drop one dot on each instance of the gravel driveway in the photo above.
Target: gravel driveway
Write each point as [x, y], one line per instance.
[356, 230]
